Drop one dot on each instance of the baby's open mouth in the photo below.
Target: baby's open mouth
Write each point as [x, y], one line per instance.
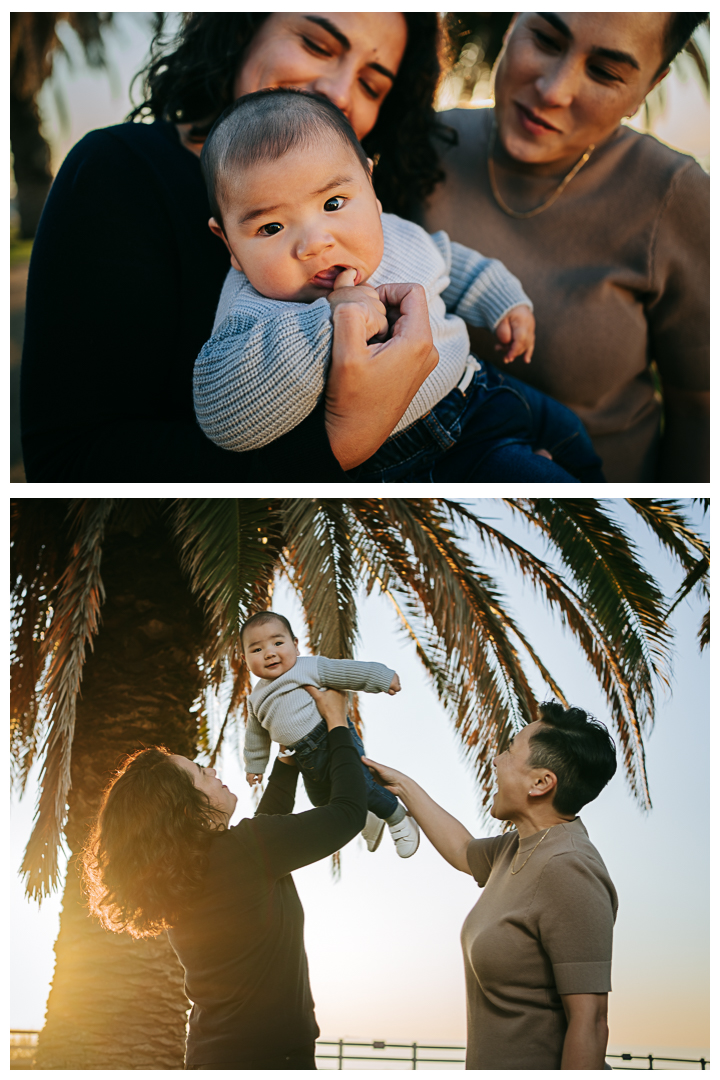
[326, 278]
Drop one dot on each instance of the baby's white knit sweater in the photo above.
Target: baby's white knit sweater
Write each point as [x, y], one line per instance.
[280, 711]
[264, 368]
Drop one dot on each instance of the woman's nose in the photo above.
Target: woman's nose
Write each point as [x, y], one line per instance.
[337, 86]
[558, 86]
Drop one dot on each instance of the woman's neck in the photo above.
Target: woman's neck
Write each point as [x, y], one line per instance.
[537, 819]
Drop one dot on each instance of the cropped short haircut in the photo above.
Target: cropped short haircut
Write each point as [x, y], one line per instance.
[263, 126]
[578, 749]
[261, 617]
[680, 27]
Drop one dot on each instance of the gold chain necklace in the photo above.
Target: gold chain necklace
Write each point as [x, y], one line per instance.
[548, 202]
[513, 872]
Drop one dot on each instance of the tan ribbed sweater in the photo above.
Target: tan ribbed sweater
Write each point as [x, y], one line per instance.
[532, 936]
[617, 269]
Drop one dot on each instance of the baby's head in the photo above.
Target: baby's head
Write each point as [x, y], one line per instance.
[290, 193]
[269, 645]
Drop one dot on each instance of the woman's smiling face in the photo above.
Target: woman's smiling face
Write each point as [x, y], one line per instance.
[351, 58]
[566, 81]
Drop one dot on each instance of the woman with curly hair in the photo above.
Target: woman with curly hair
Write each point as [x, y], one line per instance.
[125, 275]
[163, 857]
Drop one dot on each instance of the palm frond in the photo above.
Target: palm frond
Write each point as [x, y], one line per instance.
[580, 619]
[467, 637]
[80, 594]
[704, 635]
[319, 562]
[36, 536]
[668, 521]
[229, 549]
[624, 597]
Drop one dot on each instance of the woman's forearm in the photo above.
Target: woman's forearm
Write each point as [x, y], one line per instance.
[587, 1033]
[446, 834]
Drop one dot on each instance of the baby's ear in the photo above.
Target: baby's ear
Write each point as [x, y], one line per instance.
[218, 230]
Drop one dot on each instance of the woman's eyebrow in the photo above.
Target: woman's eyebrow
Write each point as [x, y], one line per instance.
[331, 28]
[599, 50]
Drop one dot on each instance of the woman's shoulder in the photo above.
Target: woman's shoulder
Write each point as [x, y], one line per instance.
[653, 164]
[128, 147]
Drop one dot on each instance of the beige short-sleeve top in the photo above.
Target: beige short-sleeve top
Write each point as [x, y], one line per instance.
[532, 936]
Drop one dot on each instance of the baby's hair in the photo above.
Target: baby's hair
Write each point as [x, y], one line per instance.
[261, 617]
[262, 127]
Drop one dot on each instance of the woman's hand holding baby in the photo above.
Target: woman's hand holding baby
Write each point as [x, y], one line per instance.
[345, 291]
[369, 387]
[516, 334]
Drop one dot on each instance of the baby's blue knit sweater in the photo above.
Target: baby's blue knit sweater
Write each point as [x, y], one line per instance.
[264, 368]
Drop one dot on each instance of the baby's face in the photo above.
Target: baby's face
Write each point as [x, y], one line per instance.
[294, 224]
[269, 648]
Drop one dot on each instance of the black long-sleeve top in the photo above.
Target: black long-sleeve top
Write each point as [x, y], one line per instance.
[124, 281]
[241, 945]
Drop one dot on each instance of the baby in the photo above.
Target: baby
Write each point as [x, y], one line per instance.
[280, 711]
[291, 196]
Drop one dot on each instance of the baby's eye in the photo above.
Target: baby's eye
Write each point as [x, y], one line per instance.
[335, 203]
[272, 229]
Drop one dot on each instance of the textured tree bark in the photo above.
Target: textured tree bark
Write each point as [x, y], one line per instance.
[117, 1003]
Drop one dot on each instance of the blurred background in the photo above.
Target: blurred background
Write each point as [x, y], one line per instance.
[72, 73]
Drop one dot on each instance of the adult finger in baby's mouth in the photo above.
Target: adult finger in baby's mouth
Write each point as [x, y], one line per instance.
[345, 278]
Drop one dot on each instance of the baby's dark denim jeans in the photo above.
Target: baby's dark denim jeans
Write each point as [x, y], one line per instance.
[489, 434]
[313, 759]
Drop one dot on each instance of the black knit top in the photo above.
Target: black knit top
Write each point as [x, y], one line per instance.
[242, 944]
[124, 281]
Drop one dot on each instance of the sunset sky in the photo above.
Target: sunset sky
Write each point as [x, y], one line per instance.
[383, 943]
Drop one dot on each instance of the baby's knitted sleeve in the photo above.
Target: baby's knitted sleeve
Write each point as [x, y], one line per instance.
[262, 371]
[354, 675]
[256, 753]
[481, 291]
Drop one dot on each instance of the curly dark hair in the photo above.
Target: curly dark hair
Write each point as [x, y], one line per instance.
[189, 79]
[147, 852]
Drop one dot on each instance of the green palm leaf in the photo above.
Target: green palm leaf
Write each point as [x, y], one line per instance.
[228, 548]
[319, 563]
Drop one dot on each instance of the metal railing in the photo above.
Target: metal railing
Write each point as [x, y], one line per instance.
[415, 1058]
[23, 1043]
[412, 1060]
[704, 1063]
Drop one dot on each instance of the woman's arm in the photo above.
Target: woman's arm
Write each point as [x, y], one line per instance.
[295, 840]
[445, 833]
[587, 1032]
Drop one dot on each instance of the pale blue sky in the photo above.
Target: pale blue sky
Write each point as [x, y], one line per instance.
[383, 943]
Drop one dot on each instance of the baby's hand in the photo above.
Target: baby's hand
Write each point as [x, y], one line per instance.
[253, 778]
[373, 309]
[516, 333]
[395, 686]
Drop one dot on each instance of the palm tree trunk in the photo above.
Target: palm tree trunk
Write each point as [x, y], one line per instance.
[31, 162]
[116, 1003]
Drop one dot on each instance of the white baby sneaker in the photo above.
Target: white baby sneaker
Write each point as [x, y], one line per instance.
[406, 835]
[373, 831]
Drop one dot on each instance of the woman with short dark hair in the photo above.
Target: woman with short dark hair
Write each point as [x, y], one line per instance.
[607, 228]
[162, 857]
[538, 943]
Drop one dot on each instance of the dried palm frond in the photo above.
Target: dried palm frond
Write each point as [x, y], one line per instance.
[79, 595]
